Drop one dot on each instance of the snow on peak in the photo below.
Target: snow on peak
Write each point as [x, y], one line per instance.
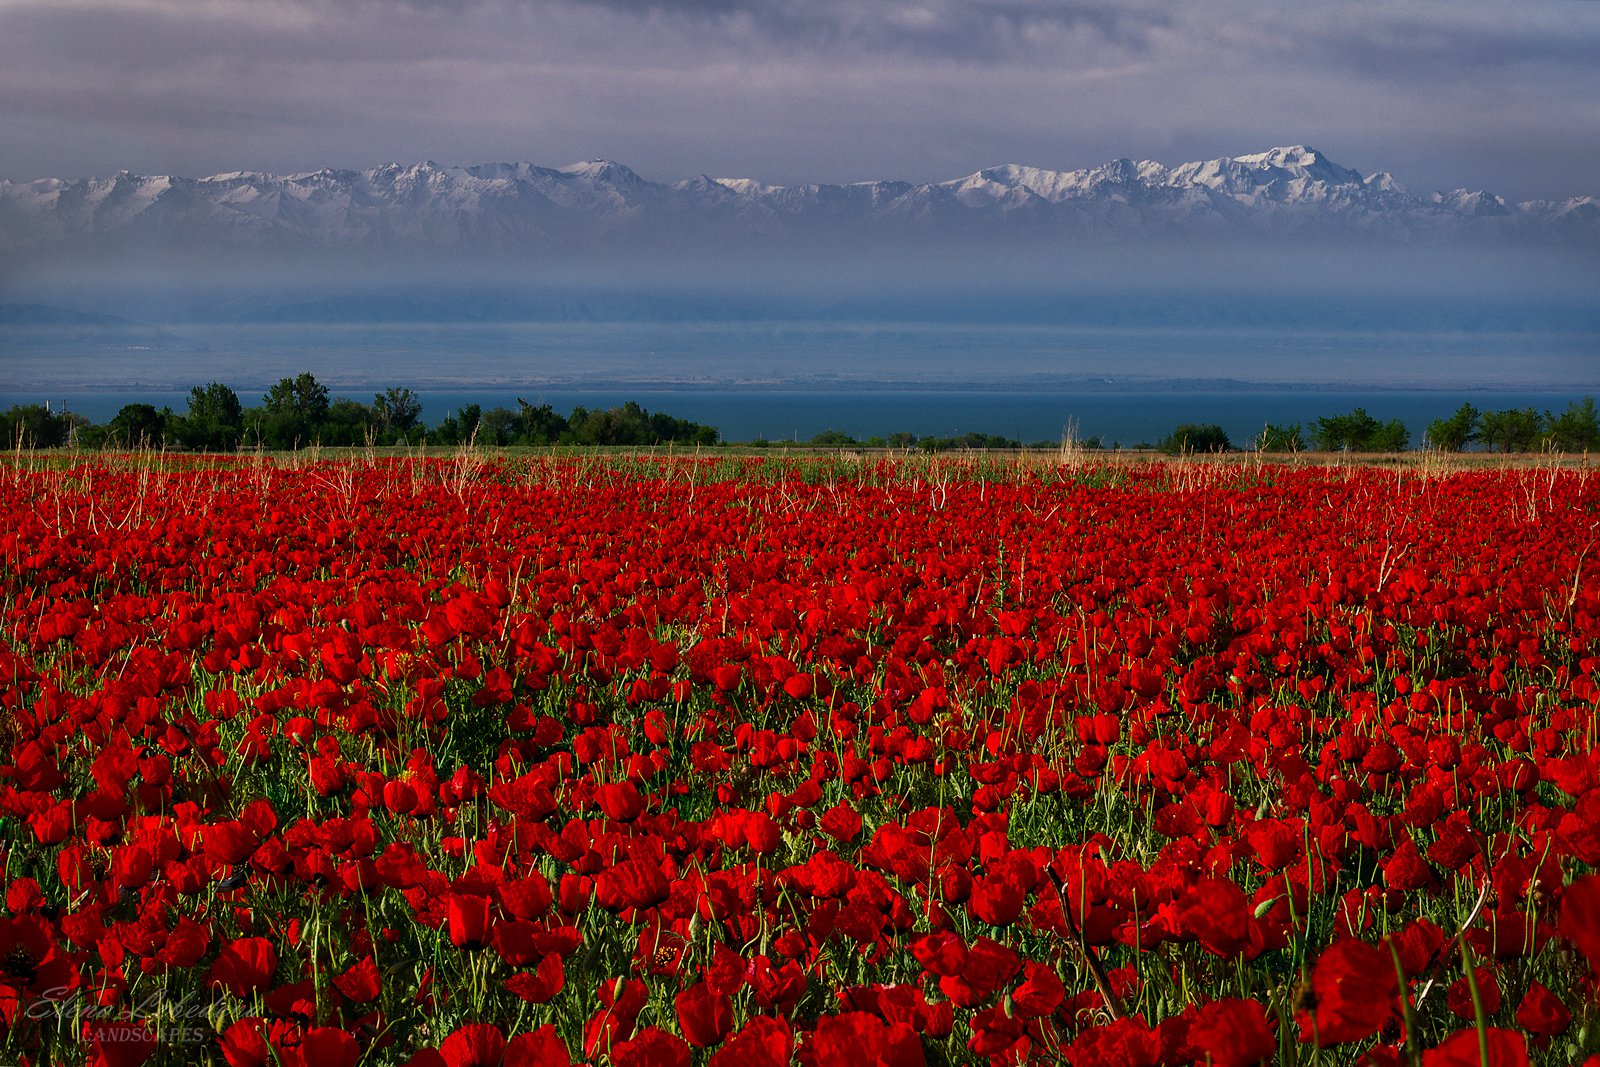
[1291, 162]
[1293, 188]
[1299, 155]
[603, 170]
[748, 186]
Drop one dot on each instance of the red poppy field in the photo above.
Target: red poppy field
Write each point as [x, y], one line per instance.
[742, 762]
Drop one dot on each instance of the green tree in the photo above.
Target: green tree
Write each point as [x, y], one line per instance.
[460, 426]
[302, 396]
[1276, 438]
[540, 424]
[1511, 430]
[664, 428]
[974, 441]
[91, 436]
[1195, 437]
[497, 427]
[293, 412]
[1576, 429]
[348, 422]
[34, 426]
[1354, 432]
[1457, 432]
[139, 425]
[397, 412]
[630, 424]
[1392, 436]
[215, 420]
[468, 417]
[833, 439]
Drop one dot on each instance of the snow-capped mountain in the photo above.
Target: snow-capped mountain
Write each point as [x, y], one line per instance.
[600, 204]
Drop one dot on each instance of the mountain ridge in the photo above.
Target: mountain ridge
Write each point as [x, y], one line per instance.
[1282, 191]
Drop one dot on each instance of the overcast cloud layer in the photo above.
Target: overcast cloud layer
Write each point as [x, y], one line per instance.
[1483, 93]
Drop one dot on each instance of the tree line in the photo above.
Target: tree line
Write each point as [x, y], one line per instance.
[299, 412]
[1576, 429]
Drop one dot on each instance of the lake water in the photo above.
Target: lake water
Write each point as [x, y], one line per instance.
[791, 380]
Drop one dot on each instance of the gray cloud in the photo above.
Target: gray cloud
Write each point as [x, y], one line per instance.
[979, 29]
[1476, 92]
[972, 28]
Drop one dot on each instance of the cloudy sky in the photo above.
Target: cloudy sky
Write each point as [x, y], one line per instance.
[1502, 94]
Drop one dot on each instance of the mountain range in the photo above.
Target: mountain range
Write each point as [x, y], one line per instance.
[520, 207]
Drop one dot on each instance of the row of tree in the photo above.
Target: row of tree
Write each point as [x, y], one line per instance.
[1577, 429]
[300, 411]
[540, 424]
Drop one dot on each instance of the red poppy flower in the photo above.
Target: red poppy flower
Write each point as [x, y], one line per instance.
[244, 966]
[761, 833]
[941, 953]
[997, 901]
[727, 970]
[517, 942]
[1041, 991]
[244, 1043]
[823, 875]
[631, 884]
[229, 843]
[1217, 913]
[1232, 1032]
[1580, 917]
[542, 984]
[469, 921]
[1459, 996]
[540, 1048]
[527, 898]
[132, 866]
[840, 822]
[1542, 1013]
[325, 1046]
[1463, 1049]
[185, 944]
[859, 1038]
[764, 1042]
[704, 1016]
[776, 987]
[117, 1043]
[30, 963]
[620, 801]
[362, 982]
[474, 1045]
[1353, 993]
[1127, 1042]
[651, 1047]
[483, 1045]
[1405, 869]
